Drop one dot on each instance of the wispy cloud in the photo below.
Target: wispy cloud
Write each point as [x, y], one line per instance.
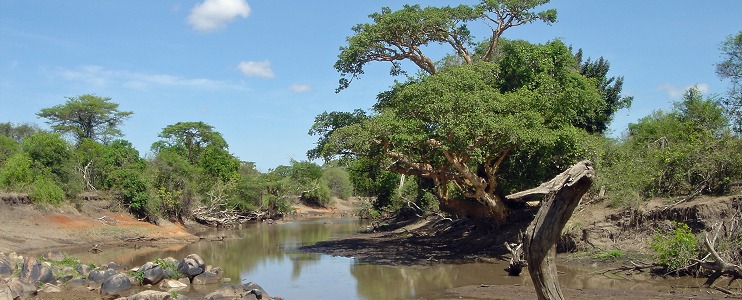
[98, 76]
[256, 68]
[677, 92]
[301, 88]
[212, 15]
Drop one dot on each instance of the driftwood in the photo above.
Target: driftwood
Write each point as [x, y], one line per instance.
[218, 213]
[517, 261]
[719, 266]
[562, 194]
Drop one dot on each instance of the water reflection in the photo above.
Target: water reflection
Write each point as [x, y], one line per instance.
[267, 254]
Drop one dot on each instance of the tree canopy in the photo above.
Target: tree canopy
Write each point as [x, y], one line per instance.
[394, 36]
[457, 127]
[86, 116]
[731, 68]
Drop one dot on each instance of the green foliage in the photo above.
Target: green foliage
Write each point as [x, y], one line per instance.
[86, 116]
[338, 181]
[46, 191]
[218, 163]
[189, 139]
[609, 255]
[166, 266]
[49, 154]
[318, 194]
[676, 248]
[18, 132]
[8, 147]
[731, 68]
[16, 173]
[137, 275]
[610, 91]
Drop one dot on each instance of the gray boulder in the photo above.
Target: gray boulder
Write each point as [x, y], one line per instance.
[206, 278]
[115, 284]
[5, 293]
[20, 289]
[83, 269]
[78, 282]
[150, 295]
[172, 285]
[99, 276]
[34, 271]
[53, 256]
[6, 267]
[239, 291]
[152, 273]
[191, 266]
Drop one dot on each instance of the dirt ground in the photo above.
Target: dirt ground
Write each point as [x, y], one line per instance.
[30, 230]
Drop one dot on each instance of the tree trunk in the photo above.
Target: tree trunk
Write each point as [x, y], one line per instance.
[489, 211]
[563, 193]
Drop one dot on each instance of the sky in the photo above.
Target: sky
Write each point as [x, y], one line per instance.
[259, 71]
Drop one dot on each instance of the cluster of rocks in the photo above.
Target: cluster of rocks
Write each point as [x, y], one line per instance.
[22, 278]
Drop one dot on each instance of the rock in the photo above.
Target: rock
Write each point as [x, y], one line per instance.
[115, 284]
[6, 267]
[15, 259]
[5, 293]
[170, 260]
[170, 284]
[239, 291]
[65, 278]
[254, 289]
[78, 282]
[191, 266]
[152, 273]
[50, 288]
[53, 256]
[150, 295]
[33, 271]
[20, 289]
[99, 276]
[83, 269]
[206, 278]
[115, 266]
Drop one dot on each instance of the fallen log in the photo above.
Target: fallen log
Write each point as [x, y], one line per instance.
[719, 266]
[562, 195]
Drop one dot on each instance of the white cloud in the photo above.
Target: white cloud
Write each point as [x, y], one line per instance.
[301, 88]
[212, 15]
[677, 92]
[100, 77]
[256, 68]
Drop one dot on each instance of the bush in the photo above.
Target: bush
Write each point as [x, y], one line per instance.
[675, 249]
[319, 195]
[338, 180]
[45, 190]
[16, 173]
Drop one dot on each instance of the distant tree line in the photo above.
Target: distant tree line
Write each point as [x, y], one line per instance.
[189, 166]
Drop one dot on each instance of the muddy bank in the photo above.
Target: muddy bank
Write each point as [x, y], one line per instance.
[28, 229]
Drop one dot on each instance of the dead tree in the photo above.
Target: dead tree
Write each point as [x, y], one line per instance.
[562, 194]
[719, 266]
[516, 259]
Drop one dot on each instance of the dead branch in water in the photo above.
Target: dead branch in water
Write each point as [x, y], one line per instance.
[219, 214]
[563, 193]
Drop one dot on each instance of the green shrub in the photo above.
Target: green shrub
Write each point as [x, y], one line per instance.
[338, 180]
[17, 172]
[45, 190]
[675, 249]
[319, 195]
[609, 254]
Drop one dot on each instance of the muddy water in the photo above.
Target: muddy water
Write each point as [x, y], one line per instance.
[266, 254]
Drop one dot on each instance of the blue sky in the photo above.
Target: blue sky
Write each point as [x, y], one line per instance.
[260, 71]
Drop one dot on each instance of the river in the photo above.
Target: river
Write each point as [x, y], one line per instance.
[267, 254]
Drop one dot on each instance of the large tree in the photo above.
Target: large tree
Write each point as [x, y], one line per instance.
[400, 35]
[86, 117]
[458, 126]
[731, 68]
[189, 139]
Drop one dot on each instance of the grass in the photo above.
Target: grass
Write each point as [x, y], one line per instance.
[613, 254]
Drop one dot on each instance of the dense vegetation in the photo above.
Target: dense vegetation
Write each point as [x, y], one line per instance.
[499, 116]
[493, 117]
[190, 166]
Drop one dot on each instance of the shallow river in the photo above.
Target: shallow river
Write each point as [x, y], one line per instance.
[266, 254]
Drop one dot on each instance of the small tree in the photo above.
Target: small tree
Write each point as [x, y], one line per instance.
[86, 116]
[731, 68]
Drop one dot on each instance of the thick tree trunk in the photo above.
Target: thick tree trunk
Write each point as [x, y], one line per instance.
[489, 211]
[563, 193]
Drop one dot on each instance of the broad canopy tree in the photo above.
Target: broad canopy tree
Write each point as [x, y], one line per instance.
[459, 124]
[86, 117]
